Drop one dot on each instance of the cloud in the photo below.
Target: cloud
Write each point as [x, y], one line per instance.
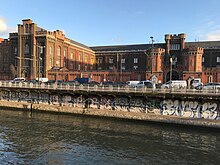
[3, 25]
[4, 29]
[209, 29]
[214, 35]
[116, 40]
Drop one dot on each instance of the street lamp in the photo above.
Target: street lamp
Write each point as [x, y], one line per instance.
[39, 59]
[152, 53]
[171, 62]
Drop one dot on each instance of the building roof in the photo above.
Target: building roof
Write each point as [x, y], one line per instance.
[205, 44]
[79, 44]
[144, 47]
[136, 47]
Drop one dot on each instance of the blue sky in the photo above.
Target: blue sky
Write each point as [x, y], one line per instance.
[116, 22]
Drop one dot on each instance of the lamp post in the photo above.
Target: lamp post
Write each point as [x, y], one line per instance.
[39, 59]
[152, 53]
[121, 69]
[171, 61]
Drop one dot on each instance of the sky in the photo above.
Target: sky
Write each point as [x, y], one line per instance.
[116, 22]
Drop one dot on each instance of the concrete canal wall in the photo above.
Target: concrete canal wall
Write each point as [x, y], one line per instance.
[148, 117]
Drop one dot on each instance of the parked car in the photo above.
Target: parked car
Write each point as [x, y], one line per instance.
[83, 80]
[146, 83]
[132, 83]
[175, 84]
[212, 85]
[107, 83]
[18, 79]
[195, 83]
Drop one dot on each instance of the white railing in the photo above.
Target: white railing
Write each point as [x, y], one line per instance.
[109, 88]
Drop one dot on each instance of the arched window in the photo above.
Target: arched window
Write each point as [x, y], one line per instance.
[64, 53]
[26, 49]
[58, 56]
[210, 78]
[26, 28]
[50, 50]
[51, 63]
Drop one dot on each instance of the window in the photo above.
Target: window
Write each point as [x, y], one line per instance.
[26, 28]
[26, 50]
[111, 60]
[79, 58]
[57, 63]
[64, 53]
[86, 59]
[16, 50]
[210, 79]
[51, 63]
[135, 60]
[123, 67]
[135, 67]
[71, 55]
[58, 51]
[203, 59]
[50, 50]
[123, 60]
[71, 65]
[175, 47]
[99, 60]
[218, 59]
[79, 67]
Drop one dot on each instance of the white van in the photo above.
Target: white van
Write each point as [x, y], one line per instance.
[175, 84]
[146, 83]
[132, 83]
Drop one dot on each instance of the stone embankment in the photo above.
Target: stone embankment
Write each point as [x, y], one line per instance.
[110, 113]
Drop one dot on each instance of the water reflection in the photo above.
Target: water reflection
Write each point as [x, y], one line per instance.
[43, 138]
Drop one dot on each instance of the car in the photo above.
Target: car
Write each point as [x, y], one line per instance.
[107, 83]
[146, 83]
[18, 79]
[94, 83]
[71, 83]
[212, 85]
[174, 84]
[132, 83]
[195, 83]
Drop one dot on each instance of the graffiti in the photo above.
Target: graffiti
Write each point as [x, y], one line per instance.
[191, 108]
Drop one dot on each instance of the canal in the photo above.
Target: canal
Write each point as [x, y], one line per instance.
[41, 138]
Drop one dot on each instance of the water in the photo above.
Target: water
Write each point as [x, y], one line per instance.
[43, 138]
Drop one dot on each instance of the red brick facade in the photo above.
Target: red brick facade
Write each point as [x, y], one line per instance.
[34, 52]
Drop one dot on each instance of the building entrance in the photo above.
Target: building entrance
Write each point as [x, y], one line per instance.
[175, 76]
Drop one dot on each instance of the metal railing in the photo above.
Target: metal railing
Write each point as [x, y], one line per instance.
[107, 88]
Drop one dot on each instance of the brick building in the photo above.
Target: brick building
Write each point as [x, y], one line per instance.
[34, 52]
[175, 59]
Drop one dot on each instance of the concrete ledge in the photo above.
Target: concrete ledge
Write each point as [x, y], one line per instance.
[112, 114]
